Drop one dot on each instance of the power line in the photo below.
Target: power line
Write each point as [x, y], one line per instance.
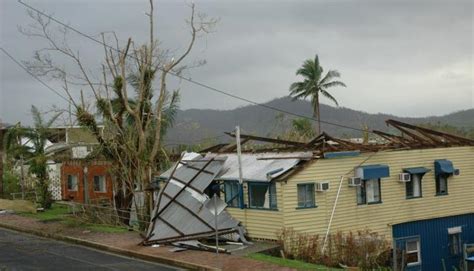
[203, 85]
[33, 75]
[194, 141]
[67, 100]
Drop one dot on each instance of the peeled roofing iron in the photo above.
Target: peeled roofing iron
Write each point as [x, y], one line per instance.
[256, 167]
[180, 212]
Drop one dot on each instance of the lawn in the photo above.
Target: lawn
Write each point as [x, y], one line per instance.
[60, 213]
[299, 265]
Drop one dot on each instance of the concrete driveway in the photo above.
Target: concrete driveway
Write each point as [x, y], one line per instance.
[19, 251]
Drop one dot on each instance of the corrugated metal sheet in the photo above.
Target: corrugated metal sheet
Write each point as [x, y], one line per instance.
[260, 167]
[434, 242]
[180, 212]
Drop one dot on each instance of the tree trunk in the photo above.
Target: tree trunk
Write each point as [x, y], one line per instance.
[123, 204]
[316, 113]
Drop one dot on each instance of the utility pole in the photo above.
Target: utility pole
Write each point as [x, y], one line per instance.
[22, 173]
[239, 158]
[85, 186]
[22, 176]
[1, 159]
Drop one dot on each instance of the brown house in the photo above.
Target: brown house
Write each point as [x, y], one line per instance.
[93, 177]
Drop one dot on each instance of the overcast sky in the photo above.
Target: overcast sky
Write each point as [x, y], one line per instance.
[408, 58]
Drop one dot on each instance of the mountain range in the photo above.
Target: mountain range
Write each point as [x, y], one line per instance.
[205, 126]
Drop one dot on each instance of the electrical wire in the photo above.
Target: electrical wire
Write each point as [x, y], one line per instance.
[34, 76]
[67, 100]
[203, 85]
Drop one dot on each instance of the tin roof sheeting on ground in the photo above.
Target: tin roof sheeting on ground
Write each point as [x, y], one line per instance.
[180, 212]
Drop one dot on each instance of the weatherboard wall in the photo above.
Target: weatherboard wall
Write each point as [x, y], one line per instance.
[260, 223]
[395, 207]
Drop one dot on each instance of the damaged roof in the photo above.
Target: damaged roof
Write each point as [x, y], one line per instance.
[256, 167]
[180, 212]
[260, 167]
[409, 137]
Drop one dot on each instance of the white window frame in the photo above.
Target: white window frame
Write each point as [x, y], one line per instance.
[362, 192]
[77, 182]
[418, 251]
[307, 202]
[457, 236]
[441, 178]
[104, 181]
[270, 197]
[415, 178]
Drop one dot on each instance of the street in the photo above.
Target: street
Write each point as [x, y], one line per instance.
[20, 251]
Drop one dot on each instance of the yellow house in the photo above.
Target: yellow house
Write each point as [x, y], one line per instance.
[419, 193]
[415, 189]
[301, 207]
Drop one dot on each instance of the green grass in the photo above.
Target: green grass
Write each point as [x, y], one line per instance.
[56, 213]
[299, 265]
[60, 213]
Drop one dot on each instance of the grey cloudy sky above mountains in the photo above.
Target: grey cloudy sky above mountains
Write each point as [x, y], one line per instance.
[407, 58]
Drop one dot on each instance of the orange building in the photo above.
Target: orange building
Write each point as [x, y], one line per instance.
[93, 177]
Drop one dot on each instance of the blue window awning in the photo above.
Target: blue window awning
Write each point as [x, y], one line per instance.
[443, 166]
[416, 170]
[341, 154]
[372, 172]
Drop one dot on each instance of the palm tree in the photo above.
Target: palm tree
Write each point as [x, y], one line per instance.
[314, 84]
[28, 144]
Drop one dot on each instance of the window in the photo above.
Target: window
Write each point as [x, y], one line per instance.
[369, 192]
[442, 184]
[413, 188]
[412, 250]
[455, 247]
[306, 195]
[231, 190]
[99, 184]
[72, 182]
[262, 195]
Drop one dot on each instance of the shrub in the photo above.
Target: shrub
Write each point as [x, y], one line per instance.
[364, 249]
[11, 183]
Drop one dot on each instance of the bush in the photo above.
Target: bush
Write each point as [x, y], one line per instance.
[11, 183]
[364, 249]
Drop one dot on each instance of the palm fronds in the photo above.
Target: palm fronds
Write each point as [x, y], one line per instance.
[314, 84]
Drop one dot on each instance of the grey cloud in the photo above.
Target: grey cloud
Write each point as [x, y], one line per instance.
[395, 52]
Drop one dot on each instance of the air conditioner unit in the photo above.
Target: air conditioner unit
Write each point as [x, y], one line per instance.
[456, 172]
[404, 177]
[322, 186]
[355, 181]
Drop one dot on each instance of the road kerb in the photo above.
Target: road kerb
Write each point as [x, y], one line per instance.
[111, 249]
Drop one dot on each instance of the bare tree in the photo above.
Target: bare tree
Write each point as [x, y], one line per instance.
[134, 113]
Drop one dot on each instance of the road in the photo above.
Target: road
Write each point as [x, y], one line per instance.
[20, 251]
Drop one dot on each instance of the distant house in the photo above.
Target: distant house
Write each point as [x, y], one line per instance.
[81, 179]
[88, 182]
[66, 143]
[416, 189]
